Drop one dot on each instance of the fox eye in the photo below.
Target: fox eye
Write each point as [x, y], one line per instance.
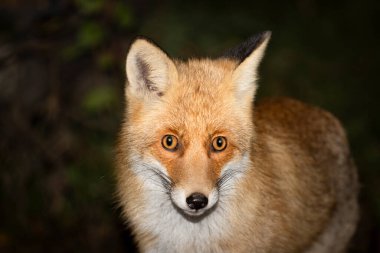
[219, 144]
[170, 142]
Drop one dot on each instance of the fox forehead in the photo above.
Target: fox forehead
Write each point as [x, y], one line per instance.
[202, 94]
[205, 74]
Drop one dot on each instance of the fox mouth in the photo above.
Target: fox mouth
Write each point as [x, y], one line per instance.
[195, 216]
[194, 213]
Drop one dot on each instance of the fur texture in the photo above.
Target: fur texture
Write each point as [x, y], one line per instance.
[284, 183]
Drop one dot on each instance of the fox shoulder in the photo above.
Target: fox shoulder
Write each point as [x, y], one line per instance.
[313, 128]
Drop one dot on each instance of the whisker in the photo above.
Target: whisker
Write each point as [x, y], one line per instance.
[222, 184]
[157, 177]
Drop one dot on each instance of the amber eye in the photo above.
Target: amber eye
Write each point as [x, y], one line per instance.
[219, 144]
[170, 142]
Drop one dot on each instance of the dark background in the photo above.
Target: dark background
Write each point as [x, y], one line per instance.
[61, 100]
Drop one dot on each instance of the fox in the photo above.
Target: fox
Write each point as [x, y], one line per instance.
[202, 167]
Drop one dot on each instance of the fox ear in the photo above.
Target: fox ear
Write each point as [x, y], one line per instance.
[149, 69]
[249, 54]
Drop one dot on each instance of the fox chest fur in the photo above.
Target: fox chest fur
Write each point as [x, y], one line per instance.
[201, 167]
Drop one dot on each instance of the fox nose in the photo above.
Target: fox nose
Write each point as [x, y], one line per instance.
[197, 201]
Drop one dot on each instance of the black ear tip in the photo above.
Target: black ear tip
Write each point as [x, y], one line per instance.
[243, 50]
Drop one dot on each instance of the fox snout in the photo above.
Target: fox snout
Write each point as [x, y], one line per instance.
[194, 203]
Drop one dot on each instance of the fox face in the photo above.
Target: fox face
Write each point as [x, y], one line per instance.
[189, 124]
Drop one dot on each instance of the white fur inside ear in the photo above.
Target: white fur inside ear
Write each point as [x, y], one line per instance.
[245, 75]
[148, 68]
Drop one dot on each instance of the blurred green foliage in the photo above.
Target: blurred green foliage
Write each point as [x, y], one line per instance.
[89, 7]
[99, 98]
[90, 35]
[61, 99]
[123, 15]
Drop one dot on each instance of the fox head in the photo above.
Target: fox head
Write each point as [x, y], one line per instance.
[189, 124]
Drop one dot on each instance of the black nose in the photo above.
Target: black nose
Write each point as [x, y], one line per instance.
[197, 201]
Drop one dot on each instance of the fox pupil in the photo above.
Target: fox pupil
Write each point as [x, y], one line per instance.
[169, 141]
[219, 142]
